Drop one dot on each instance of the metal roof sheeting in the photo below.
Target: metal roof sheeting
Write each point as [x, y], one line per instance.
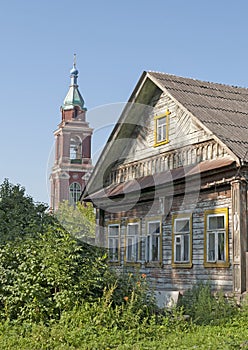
[223, 109]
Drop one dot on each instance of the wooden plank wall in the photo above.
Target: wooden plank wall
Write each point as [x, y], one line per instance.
[166, 277]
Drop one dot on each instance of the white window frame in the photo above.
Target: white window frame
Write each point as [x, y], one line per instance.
[179, 240]
[216, 233]
[150, 236]
[215, 261]
[161, 129]
[132, 248]
[114, 243]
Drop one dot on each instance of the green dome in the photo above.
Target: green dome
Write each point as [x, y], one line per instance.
[73, 97]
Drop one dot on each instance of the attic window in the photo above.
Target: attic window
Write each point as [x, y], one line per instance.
[161, 129]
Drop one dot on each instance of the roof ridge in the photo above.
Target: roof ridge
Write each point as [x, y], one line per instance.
[198, 80]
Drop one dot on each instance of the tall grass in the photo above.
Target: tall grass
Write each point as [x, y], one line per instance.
[104, 324]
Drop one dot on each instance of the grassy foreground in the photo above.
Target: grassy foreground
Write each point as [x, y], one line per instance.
[101, 326]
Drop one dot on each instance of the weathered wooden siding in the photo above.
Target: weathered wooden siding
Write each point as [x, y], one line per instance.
[188, 144]
[165, 277]
[183, 131]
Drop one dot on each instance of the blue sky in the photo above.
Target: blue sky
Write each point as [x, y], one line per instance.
[114, 41]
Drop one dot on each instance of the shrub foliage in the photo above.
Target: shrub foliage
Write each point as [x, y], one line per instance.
[57, 292]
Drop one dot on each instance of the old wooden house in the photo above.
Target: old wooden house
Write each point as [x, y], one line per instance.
[170, 187]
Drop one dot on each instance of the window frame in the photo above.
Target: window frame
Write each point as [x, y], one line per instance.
[182, 263]
[213, 213]
[112, 224]
[149, 239]
[74, 193]
[136, 242]
[156, 128]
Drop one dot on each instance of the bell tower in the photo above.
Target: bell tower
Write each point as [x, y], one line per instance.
[72, 163]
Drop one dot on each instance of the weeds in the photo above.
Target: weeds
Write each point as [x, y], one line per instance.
[216, 323]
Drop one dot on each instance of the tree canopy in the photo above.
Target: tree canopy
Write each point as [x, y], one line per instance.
[19, 214]
[78, 220]
[43, 268]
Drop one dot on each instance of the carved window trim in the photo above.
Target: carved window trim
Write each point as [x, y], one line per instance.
[113, 241]
[215, 234]
[149, 240]
[179, 239]
[136, 242]
[161, 129]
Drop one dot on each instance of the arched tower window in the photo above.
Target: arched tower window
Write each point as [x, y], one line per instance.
[75, 192]
[75, 150]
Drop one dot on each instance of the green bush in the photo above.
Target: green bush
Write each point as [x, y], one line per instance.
[42, 276]
[46, 269]
[204, 307]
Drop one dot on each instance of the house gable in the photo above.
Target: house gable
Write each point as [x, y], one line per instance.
[188, 142]
[195, 107]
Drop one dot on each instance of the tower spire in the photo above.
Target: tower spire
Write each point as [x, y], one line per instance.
[74, 72]
[73, 97]
[74, 60]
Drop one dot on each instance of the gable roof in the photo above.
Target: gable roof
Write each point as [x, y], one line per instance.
[223, 109]
[220, 109]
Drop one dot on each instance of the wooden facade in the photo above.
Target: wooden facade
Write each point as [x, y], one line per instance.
[170, 187]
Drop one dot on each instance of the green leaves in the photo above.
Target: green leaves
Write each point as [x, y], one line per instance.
[42, 276]
[44, 269]
[19, 215]
[79, 221]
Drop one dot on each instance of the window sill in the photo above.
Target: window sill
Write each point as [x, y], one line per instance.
[132, 263]
[157, 144]
[114, 263]
[182, 265]
[153, 264]
[217, 264]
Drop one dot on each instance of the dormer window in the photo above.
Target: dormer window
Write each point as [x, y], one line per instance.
[161, 128]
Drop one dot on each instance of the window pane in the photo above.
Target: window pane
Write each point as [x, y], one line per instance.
[154, 227]
[113, 230]
[182, 225]
[113, 249]
[148, 248]
[211, 247]
[155, 248]
[132, 229]
[129, 248]
[161, 129]
[161, 133]
[75, 192]
[216, 222]
[161, 121]
[132, 249]
[178, 252]
[141, 249]
[221, 246]
[186, 248]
